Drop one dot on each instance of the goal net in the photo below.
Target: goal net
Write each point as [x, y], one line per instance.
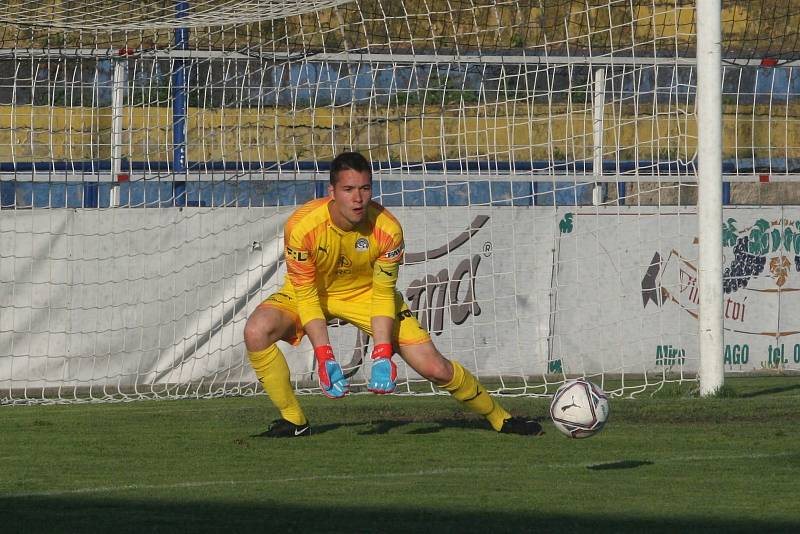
[540, 155]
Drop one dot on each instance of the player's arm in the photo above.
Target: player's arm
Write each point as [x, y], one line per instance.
[382, 328]
[384, 275]
[383, 377]
[301, 270]
[302, 275]
[317, 332]
[382, 314]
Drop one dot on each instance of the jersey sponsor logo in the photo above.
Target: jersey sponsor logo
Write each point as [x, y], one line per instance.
[297, 255]
[343, 265]
[394, 253]
[362, 244]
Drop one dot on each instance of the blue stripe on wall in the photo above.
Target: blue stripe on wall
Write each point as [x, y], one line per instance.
[256, 193]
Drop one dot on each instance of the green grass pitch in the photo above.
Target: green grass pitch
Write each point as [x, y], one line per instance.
[405, 464]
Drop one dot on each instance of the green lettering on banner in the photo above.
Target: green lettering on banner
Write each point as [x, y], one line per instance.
[669, 355]
[566, 224]
[737, 354]
[776, 355]
[554, 366]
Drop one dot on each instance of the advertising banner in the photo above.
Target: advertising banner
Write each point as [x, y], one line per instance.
[127, 297]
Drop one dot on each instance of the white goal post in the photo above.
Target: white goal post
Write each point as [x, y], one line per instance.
[709, 196]
[557, 166]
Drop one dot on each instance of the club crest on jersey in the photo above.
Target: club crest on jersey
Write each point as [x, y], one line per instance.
[362, 244]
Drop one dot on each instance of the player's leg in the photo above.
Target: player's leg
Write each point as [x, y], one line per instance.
[265, 326]
[414, 344]
[417, 349]
[426, 360]
[451, 376]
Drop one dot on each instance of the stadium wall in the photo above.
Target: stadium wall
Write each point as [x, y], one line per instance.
[95, 303]
[523, 24]
[513, 131]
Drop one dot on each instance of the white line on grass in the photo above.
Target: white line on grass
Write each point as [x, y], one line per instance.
[359, 476]
[206, 483]
[707, 458]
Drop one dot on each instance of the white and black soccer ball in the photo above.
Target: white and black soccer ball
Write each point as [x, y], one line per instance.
[579, 408]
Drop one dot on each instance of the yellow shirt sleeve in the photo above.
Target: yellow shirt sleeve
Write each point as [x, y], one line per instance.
[389, 235]
[301, 271]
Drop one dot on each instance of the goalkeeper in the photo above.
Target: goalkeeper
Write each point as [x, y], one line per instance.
[343, 253]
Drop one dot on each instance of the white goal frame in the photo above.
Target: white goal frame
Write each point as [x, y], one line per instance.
[588, 158]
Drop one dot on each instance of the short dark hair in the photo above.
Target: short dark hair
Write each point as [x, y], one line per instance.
[352, 161]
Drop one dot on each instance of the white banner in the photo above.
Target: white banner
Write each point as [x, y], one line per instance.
[126, 297]
[628, 279]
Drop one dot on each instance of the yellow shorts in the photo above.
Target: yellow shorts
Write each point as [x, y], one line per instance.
[407, 330]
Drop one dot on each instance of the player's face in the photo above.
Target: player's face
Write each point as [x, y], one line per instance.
[351, 195]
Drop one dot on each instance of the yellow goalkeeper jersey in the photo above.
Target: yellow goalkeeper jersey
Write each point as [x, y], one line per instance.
[326, 262]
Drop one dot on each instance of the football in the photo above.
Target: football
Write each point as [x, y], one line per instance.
[579, 408]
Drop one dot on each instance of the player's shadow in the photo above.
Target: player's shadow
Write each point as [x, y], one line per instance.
[622, 464]
[366, 427]
[317, 429]
[420, 427]
[384, 426]
[429, 427]
[433, 427]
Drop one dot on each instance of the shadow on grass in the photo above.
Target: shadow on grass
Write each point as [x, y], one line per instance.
[769, 391]
[384, 426]
[33, 515]
[429, 426]
[623, 464]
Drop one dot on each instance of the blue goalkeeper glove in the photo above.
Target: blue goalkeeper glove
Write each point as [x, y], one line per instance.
[331, 378]
[383, 378]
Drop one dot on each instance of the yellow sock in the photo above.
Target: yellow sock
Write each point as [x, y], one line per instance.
[466, 389]
[273, 373]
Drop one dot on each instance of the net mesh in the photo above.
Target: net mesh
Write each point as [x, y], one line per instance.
[540, 154]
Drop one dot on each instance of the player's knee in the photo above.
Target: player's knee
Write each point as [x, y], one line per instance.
[259, 332]
[253, 334]
[438, 370]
